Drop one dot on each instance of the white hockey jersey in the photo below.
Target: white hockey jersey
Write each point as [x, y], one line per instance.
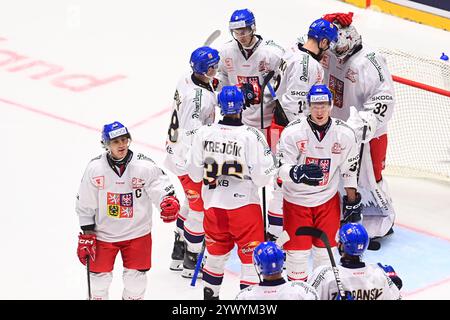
[366, 283]
[297, 73]
[279, 290]
[233, 161]
[337, 155]
[363, 81]
[234, 68]
[121, 207]
[193, 106]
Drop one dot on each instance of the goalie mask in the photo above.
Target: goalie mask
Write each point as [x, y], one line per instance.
[348, 40]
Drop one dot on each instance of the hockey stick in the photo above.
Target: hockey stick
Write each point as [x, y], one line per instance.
[264, 84]
[373, 245]
[278, 112]
[361, 150]
[88, 277]
[213, 36]
[198, 265]
[317, 233]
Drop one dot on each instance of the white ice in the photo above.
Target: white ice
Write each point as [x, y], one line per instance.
[51, 133]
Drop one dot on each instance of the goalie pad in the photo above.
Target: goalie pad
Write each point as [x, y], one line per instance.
[378, 212]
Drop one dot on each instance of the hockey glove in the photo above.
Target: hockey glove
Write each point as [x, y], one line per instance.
[352, 210]
[251, 93]
[87, 244]
[344, 19]
[170, 207]
[310, 174]
[390, 272]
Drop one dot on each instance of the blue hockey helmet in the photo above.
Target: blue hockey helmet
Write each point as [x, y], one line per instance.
[268, 258]
[353, 238]
[204, 58]
[231, 100]
[323, 29]
[112, 131]
[241, 19]
[319, 93]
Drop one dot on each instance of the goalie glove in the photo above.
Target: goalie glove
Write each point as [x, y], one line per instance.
[358, 120]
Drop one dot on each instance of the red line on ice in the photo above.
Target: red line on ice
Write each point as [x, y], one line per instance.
[66, 120]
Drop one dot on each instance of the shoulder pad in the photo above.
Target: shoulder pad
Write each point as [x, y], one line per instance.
[260, 138]
[273, 44]
[372, 57]
[321, 276]
[141, 156]
[296, 121]
[96, 158]
[343, 124]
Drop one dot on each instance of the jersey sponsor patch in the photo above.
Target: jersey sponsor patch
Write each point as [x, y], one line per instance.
[192, 195]
[137, 183]
[351, 75]
[119, 205]
[99, 181]
[337, 88]
[249, 248]
[336, 148]
[324, 164]
[229, 64]
[302, 146]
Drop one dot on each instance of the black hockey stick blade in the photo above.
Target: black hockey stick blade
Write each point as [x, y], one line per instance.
[212, 37]
[374, 245]
[308, 231]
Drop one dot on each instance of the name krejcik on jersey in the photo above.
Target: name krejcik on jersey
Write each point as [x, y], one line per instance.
[230, 148]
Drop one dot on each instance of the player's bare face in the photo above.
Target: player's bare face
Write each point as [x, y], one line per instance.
[119, 147]
[244, 36]
[212, 71]
[320, 112]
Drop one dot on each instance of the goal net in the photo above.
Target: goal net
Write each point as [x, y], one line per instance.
[419, 131]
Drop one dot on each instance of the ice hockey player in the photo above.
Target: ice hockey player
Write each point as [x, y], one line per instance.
[268, 259]
[114, 206]
[193, 106]
[361, 281]
[363, 93]
[232, 160]
[245, 61]
[316, 153]
[299, 70]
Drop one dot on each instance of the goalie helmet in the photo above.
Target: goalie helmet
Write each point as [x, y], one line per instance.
[319, 93]
[241, 19]
[204, 58]
[323, 29]
[112, 131]
[348, 40]
[268, 258]
[231, 100]
[353, 239]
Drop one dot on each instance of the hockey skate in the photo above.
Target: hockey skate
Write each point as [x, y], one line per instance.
[177, 254]
[189, 262]
[208, 294]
